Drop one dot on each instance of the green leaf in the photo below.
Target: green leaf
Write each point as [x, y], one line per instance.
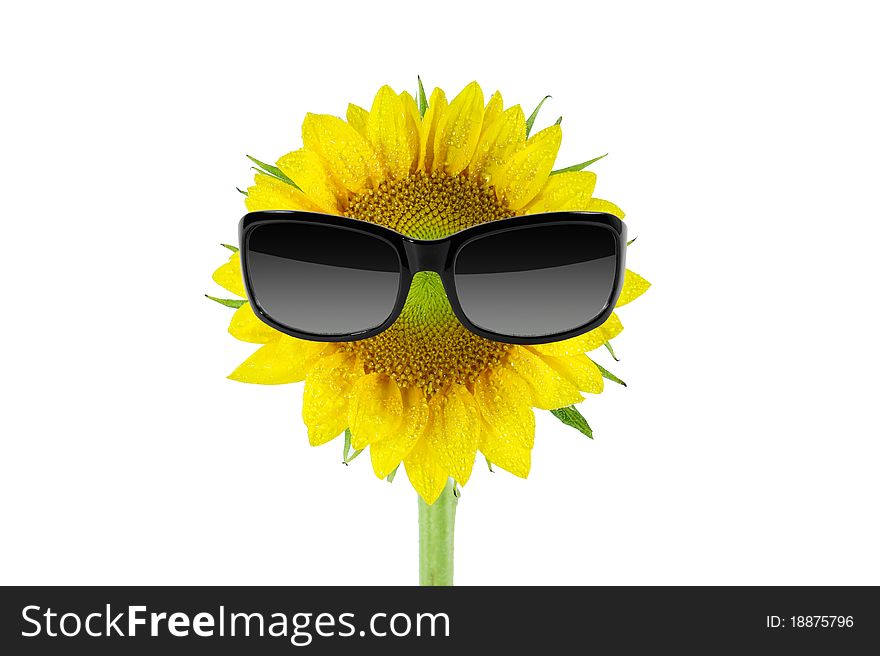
[228, 302]
[391, 476]
[272, 171]
[423, 99]
[578, 167]
[347, 454]
[489, 464]
[571, 416]
[241, 191]
[530, 121]
[558, 121]
[269, 168]
[285, 180]
[611, 351]
[234, 249]
[607, 374]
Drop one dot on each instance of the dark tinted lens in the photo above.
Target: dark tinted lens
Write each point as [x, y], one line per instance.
[537, 281]
[322, 279]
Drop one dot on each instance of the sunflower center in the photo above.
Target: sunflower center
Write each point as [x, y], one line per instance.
[428, 206]
[427, 346]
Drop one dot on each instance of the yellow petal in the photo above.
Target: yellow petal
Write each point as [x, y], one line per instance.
[247, 327]
[387, 453]
[459, 130]
[549, 389]
[454, 431]
[306, 169]
[526, 172]
[510, 455]
[375, 409]
[436, 108]
[579, 370]
[357, 118]
[505, 404]
[564, 191]
[413, 128]
[599, 205]
[424, 471]
[325, 397]
[269, 193]
[285, 360]
[633, 287]
[493, 110]
[583, 343]
[349, 155]
[498, 143]
[504, 400]
[229, 276]
[387, 131]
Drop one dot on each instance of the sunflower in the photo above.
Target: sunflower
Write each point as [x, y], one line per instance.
[426, 392]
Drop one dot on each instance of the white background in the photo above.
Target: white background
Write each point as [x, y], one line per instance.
[744, 148]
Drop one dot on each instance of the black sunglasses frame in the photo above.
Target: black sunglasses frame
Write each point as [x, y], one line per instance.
[438, 255]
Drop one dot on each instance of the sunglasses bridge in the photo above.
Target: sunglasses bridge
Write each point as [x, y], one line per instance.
[426, 255]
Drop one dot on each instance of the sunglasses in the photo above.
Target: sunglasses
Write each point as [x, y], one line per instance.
[524, 280]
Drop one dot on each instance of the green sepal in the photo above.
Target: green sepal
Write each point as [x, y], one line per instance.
[234, 249]
[241, 191]
[390, 477]
[489, 464]
[611, 351]
[629, 243]
[423, 99]
[228, 302]
[530, 121]
[607, 374]
[558, 121]
[578, 167]
[571, 416]
[347, 454]
[272, 171]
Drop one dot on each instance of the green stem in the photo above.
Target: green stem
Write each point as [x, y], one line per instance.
[436, 537]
